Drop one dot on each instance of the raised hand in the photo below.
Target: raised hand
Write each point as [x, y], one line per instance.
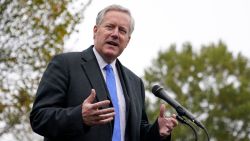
[93, 114]
[166, 124]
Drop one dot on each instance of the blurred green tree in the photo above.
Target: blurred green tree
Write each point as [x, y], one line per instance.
[212, 83]
[32, 31]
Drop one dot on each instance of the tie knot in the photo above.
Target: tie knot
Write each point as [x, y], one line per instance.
[108, 67]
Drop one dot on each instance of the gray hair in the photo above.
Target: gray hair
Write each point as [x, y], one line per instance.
[114, 7]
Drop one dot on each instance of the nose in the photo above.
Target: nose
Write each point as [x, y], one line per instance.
[115, 33]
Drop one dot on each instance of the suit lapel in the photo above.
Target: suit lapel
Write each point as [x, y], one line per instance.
[94, 74]
[125, 87]
[132, 110]
[97, 82]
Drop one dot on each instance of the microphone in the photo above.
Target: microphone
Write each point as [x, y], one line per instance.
[159, 92]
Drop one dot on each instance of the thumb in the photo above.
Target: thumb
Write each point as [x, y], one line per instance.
[91, 97]
[162, 110]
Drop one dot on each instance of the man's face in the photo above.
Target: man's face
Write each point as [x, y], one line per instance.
[112, 35]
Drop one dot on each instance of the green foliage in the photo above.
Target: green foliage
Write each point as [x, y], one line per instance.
[32, 31]
[212, 83]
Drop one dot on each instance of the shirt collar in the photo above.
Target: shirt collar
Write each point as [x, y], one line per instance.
[102, 63]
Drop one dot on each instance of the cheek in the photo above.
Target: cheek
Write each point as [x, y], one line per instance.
[125, 42]
[100, 39]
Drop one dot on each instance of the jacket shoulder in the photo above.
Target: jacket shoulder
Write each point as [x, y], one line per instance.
[130, 73]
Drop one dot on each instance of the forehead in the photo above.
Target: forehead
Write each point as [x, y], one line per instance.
[117, 17]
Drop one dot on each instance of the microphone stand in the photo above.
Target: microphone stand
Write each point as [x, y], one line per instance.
[208, 138]
[183, 121]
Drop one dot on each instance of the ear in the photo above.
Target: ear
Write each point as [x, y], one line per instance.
[94, 31]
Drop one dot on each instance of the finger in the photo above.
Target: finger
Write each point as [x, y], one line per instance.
[162, 110]
[174, 116]
[91, 97]
[100, 104]
[104, 111]
[171, 123]
[94, 120]
[165, 132]
[103, 116]
[174, 121]
[104, 121]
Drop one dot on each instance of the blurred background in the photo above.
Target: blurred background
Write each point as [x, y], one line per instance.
[197, 50]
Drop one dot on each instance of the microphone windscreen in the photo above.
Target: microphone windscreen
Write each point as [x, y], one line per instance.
[155, 89]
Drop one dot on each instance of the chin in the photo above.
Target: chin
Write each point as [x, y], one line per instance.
[111, 52]
[110, 57]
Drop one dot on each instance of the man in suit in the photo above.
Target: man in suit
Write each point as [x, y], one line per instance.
[75, 101]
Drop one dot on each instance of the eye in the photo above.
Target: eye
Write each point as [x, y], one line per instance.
[123, 30]
[109, 27]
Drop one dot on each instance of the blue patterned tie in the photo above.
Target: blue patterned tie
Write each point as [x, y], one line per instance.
[110, 81]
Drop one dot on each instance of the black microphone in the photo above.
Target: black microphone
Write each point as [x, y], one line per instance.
[159, 92]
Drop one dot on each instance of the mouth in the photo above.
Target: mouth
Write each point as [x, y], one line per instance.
[112, 43]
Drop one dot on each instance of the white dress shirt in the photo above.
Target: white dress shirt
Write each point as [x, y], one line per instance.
[120, 95]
